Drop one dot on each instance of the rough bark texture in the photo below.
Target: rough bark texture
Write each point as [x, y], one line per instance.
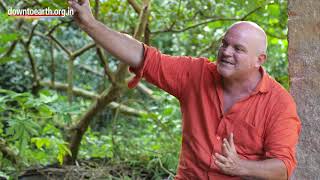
[304, 72]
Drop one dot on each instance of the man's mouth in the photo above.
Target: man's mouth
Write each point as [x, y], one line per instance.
[225, 61]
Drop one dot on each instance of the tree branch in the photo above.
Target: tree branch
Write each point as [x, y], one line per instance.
[143, 19]
[143, 88]
[147, 31]
[3, 5]
[31, 34]
[84, 120]
[64, 87]
[255, 10]
[36, 78]
[105, 98]
[60, 45]
[91, 95]
[195, 25]
[105, 65]
[135, 6]
[83, 50]
[210, 20]
[96, 9]
[56, 26]
[70, 79]
[52, 66]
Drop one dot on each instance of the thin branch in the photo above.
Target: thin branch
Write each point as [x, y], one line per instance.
[91, 95]
[3, 5]
[147, 31]
[83, 50]
[64, 87]
[96, 9]
[195, 25]
[60, 45]
[31, 34]
[11, 48]
[36, 78]
[52, 66]
[105, 65]
[70, 79]
[210, 20]
[143, 19]
[143, 88]
[35, 84]
[40, 34]
[135, 6]
[255, 10]
[147, 35]
[166, 170]
[89, 69]
[56, 26]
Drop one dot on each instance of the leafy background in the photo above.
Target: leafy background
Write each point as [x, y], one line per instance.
[36, 121]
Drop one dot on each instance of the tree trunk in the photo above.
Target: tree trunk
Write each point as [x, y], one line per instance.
[304, 73]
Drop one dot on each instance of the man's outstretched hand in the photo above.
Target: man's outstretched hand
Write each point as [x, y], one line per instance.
[82, 12]
[229, 161]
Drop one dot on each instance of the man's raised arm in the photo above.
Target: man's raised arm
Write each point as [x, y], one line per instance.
[122, 46]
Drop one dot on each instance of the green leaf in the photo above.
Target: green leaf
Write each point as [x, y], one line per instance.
[5, 38]
[45, 111]
[4, 60]
[48, 99]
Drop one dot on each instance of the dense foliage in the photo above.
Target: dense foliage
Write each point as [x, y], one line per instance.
[39, 113]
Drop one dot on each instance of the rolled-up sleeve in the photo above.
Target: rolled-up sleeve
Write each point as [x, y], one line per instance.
[282, 136]
[170, 73]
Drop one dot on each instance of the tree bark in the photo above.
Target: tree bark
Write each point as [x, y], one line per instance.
[304, 73]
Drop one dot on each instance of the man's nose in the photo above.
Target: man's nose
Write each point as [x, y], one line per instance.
[227, 51]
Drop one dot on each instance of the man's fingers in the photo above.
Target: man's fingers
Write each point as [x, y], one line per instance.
[219, 164]
[231, 142]
[221, 158]
[82, 2]
[74, 5]
[226, 145]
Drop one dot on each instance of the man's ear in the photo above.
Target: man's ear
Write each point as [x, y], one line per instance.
[261, 59]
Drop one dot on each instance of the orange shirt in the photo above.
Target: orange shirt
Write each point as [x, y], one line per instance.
[265, 124]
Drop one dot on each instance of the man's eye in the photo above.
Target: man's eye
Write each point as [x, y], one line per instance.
[238, 49]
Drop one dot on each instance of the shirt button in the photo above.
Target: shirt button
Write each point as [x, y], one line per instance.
[218, 138]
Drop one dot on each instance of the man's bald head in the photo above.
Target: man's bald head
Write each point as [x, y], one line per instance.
[258, 34]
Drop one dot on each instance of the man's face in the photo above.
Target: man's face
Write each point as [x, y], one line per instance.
[237, 56]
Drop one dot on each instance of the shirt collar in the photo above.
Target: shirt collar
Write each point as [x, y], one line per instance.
[262, 86]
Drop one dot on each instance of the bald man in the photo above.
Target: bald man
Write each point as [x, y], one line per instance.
[238, 123]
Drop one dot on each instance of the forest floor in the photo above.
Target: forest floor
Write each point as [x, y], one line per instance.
[91, 169]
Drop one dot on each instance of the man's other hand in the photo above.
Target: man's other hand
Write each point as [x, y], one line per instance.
[229, 161]
[82, 12]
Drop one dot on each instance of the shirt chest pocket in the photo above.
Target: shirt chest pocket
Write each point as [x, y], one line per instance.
[248, 139]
